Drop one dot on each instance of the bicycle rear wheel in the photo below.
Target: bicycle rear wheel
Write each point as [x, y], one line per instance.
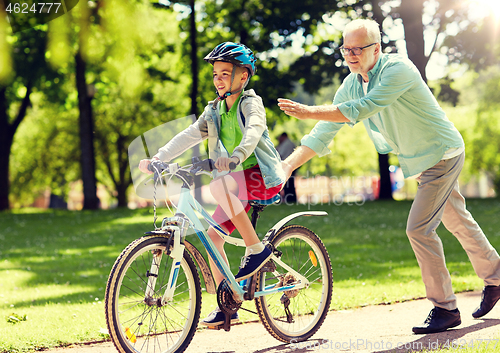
[305, 253]
[139, 324]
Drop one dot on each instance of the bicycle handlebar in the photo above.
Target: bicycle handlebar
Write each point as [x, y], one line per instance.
[232, 166]
[197, 166]
[158, 164]
[207, 165]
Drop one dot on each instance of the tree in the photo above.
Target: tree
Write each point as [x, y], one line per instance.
[385, 188]
[32, 73]
[142, 90]
[135, 69]
[411, 13]
[29, 70]
[474, 44]
[45, 152]
[275, 27]
[485, 135]
[121, 116]
[86, 120]
[465, 39]
[86, 133]
[194, 91]
[268, 28]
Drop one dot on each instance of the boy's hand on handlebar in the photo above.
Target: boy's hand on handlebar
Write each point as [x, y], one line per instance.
[144, 164]
[222, 163]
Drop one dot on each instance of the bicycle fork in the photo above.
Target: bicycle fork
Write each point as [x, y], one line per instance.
[176, 253]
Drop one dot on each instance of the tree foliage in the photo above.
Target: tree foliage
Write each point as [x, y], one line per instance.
[30, 71]
[139, 60]
[485, 141]
[134, 69]
[274, 31]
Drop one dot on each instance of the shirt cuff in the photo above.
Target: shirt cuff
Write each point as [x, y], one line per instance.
[238, 154]
[161, 155]
[316, 145]
[350, 112]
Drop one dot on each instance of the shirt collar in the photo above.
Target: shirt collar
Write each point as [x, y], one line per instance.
[223, 106]
[374, 69]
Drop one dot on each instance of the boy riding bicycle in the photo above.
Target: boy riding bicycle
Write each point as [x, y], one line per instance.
[235, 125]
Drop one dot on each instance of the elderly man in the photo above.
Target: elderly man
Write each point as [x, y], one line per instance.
[387, 93]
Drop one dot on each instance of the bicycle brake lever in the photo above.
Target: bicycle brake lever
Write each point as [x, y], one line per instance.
[204, 172]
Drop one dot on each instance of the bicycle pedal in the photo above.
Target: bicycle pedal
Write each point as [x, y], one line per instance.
[218, 327]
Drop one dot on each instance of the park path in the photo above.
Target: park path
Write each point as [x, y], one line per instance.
[378, 328]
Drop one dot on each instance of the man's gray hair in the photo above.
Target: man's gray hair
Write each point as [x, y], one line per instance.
[371, 27]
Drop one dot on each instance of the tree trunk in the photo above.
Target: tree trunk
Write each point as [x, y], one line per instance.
[5, 146]
[194, 59]
[194, 88]
[411, 12]
[385, 192]
[121, 191]
[87, 159]
[7, 132]
[377, 13]
[123, 171]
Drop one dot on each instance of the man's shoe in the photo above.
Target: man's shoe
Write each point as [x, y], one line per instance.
[217, 317]
[439, 320]
[491, 294]
[252, 263]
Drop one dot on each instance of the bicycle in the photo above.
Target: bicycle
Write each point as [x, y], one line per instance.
[153, 294]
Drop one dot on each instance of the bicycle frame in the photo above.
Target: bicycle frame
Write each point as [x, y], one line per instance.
[186, 215]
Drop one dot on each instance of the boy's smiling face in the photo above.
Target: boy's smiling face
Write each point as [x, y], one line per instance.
[222, 77]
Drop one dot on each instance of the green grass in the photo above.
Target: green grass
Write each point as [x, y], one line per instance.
[54, 264]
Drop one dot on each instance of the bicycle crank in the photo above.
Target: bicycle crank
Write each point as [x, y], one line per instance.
[227, 304]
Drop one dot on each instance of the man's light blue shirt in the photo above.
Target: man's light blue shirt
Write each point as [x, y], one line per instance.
[399, 112]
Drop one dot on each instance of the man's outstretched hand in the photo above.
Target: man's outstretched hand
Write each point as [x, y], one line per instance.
[291, 108]
[300, 111]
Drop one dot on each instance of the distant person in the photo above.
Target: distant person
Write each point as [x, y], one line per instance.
[386, 92]
[285, 148]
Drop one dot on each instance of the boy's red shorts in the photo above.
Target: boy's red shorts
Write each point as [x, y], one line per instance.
[255, 189]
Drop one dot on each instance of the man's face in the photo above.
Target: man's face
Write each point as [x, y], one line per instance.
[222, 77]
[364, 62]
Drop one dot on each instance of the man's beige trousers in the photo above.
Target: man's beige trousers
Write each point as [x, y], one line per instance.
[438, 199]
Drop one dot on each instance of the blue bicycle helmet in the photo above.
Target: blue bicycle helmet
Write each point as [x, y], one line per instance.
[234, 53]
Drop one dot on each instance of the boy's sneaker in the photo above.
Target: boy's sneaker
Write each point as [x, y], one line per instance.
[252, 263]
[217, 317]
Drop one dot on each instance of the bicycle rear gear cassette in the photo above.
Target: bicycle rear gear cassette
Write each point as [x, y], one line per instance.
[289, 279]
[225, 299]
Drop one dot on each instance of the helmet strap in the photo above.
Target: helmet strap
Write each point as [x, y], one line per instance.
[229, 92]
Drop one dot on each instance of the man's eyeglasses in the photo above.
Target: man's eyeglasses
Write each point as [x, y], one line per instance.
[354, 51]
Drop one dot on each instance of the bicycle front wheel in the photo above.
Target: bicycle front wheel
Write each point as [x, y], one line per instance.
[295, 315]
[138, 323]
